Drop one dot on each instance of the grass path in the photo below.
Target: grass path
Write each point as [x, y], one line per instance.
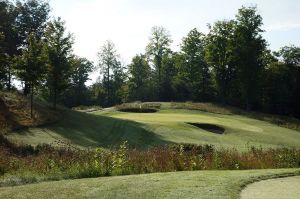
[280, 188]
[194, 184]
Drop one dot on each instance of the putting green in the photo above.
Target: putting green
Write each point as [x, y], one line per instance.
[240, 131]
[280, 188]
[141, 130]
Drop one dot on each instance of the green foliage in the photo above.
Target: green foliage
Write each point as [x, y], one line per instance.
[32, 17]
[31, 66]
[3, 59]
[112, 71]
[59, 49]
[9, 41]
[248, 52]
[29, 17]
[157, 48]
[77, 93]
[194, 69]
[139, 81]
[168, 72]
[219, 55]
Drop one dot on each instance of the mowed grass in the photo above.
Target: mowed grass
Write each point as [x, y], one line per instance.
[88, 130]
[273, 189]
[192, 184]
[141, 130]
[240, 132]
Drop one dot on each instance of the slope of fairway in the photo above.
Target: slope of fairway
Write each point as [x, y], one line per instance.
[87, 130]
[273, 189]
[110, 128]
[195, 184]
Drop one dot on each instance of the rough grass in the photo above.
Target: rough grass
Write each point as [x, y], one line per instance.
[87, 108]
[271, 189]
[193, 184]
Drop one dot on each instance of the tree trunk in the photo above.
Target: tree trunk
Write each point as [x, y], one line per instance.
[54, 101]
[27, 88]
[31, 102]
[108, 86]
[9, 78]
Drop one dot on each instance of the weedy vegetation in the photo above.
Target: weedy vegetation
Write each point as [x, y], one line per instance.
[27, 164]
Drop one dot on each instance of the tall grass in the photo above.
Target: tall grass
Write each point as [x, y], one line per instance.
[70, 162]
[139, 107]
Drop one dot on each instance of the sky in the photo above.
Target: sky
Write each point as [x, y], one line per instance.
[128, 23]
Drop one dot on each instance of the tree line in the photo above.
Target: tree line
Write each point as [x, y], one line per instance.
[231, 64]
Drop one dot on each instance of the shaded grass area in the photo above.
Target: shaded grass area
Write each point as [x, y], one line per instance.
[193, 184]
[88, 130]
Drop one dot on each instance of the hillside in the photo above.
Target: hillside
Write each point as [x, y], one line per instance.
[15, 112]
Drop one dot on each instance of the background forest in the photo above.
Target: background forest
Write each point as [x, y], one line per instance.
[230, 65]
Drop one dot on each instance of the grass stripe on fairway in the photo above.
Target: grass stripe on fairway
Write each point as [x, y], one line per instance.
[195, 184]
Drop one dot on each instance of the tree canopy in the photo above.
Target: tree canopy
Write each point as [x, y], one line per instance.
[231, 64]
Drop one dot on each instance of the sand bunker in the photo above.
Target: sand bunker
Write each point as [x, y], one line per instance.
[209, 127]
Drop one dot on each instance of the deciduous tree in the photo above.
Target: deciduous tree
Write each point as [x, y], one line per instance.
[59, 49]
[159, 45]
[139, 72]
[109, 65]
[31, 66]
[195, 69]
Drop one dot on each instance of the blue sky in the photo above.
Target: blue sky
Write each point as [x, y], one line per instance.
[128, 22]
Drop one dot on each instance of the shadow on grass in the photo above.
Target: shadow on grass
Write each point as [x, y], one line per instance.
[90, 130]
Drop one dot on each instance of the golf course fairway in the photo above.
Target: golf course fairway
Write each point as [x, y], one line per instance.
[142, 130]
[192, 184]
